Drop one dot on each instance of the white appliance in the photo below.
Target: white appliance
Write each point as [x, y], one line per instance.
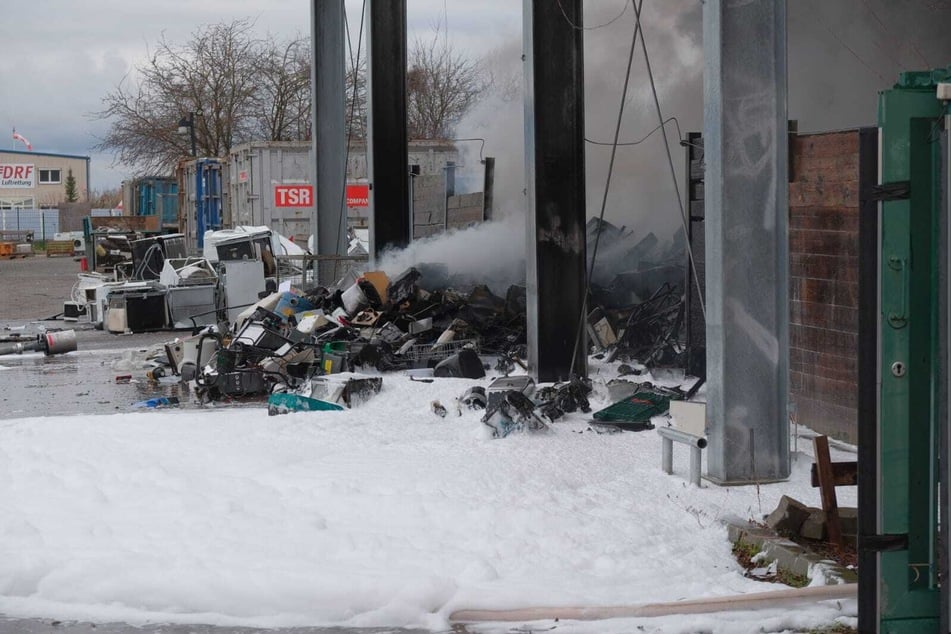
[241, 281]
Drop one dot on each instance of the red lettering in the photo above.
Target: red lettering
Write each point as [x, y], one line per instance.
[293, 195]
[18, 172]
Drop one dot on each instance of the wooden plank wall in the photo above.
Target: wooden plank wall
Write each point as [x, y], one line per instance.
[823, 247]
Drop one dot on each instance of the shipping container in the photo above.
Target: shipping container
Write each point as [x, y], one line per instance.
[202, 199]
[271, 182]
[270, 185]
[152, 196]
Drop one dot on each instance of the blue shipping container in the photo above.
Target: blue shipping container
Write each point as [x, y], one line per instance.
[207, 197]
[158, 196]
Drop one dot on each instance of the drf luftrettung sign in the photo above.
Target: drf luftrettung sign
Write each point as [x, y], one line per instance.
[17, 175]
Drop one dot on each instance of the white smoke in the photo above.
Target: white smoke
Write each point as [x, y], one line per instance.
[491, 253]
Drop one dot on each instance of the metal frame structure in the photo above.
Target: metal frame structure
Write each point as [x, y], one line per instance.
[555, 184]
[904, 404]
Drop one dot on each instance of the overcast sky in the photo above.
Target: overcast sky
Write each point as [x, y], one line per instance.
[63, 56]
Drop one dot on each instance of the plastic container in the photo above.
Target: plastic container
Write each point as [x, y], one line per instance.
[291, 304]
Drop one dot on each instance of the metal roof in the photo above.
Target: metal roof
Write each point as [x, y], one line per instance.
[31, 153]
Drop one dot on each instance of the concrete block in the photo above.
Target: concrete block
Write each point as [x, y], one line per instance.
[453, 202]
[815, 525]
[465, 215]
[789, 515]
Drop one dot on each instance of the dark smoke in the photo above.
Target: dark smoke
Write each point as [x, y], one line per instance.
[841, 53]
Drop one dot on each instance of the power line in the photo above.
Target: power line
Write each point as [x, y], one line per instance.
[670, 161]
[854, 54]
[591, 28]
[869, 8]
[642, 139]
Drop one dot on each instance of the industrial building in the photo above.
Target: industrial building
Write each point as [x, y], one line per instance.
[37, 180]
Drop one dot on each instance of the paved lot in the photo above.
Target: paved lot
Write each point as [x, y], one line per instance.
[35, 287]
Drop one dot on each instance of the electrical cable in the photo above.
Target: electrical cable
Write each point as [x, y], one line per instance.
[607, 187]
[591, 28]
[642, 139]
[673, 171]
[854, 54]
[869, 8]
[481, 148]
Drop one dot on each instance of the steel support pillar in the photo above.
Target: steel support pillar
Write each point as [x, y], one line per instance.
[329, 138]
[387, 148]
[555, 186]
[944, 362]
[747, 251]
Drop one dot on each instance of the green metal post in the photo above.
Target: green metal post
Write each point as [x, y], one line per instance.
[908, 592]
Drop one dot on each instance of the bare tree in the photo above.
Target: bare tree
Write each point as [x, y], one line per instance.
[244, 88]
[214, 76]
[441, 87]
[282, 99]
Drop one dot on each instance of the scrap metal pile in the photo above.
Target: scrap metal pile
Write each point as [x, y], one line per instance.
[637, 297]
[285, 341]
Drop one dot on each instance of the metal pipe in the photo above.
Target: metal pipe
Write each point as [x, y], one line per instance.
[49, 343]
[683, 437]
[754, 601]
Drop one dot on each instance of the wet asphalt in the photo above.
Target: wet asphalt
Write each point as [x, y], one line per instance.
[105, 375]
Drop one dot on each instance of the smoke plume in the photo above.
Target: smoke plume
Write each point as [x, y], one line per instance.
[491, 253]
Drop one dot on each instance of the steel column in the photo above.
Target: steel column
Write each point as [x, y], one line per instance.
[329, 138]
[387, 148]
[944, 356]
[747, 251]
[555, 185]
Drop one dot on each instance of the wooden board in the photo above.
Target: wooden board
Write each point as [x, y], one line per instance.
[59, 247]
[827, 489]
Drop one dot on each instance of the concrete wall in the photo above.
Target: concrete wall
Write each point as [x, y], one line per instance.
[430, 207]
[823, 246]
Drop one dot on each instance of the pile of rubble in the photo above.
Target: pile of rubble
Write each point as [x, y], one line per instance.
[286, 340]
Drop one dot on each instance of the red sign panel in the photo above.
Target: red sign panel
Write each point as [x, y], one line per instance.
[358, 195]
[293, 195]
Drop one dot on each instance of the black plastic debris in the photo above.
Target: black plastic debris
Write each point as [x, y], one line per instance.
[403, 288]
[564, 398]
[464, 364]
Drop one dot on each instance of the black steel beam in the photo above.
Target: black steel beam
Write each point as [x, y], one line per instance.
[387, 148]
[868, 459]
[554, 157]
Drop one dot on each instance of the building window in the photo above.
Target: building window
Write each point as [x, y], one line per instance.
[50, 177]
[16, 203]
